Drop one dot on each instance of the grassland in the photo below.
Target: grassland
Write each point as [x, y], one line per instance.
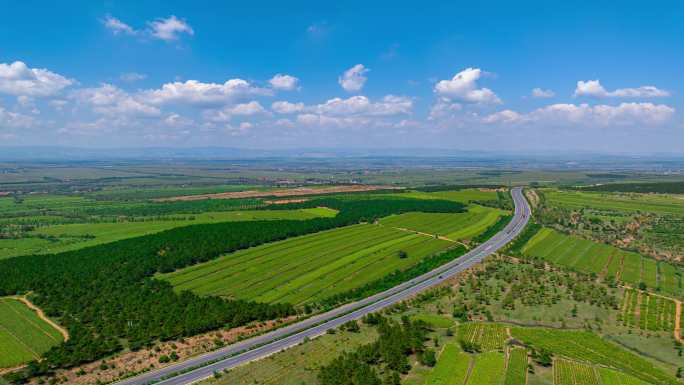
[604, 260]
[453, 226]
[65, 237]
[465, 195]
[308, 268]
[23, 335]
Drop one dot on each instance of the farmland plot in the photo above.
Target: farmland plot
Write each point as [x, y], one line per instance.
[488, 369]
[574, 373]
[452, 367]
[655, 313]
[487, 336]
[310, 267]
[593, 257]
[516, 370]
[23, 335]
[588, 347]
[453, 226]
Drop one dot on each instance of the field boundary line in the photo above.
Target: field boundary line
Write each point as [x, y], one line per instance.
[22, 343]
[678, 321]
[41, 315]
[431, 236]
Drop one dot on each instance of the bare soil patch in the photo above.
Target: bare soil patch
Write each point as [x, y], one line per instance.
[299, 191]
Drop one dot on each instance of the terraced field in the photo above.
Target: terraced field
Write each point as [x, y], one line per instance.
[452, 367]
[605, 260]
[308, 268]
[588, 347]
[487, 336]
[453, 226]
[23, 335]
[654, 313]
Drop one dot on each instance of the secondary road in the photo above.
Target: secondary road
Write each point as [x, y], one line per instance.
[280, 339]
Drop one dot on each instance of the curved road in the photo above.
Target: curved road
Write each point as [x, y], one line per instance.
[286, 337]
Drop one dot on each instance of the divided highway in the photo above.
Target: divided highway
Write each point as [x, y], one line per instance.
[261, 346]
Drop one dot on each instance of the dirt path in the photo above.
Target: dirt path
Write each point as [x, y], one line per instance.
[678, 322]
[45, 318]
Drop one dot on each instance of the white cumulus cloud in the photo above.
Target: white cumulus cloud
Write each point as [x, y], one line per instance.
[593, 88]
[284, 107]
[170, 28]
[542, 93]
[20, 80]
[284, 82]
[361, 105]
[9, 119]
[196, 92]
[587, 115]
[117, 26]
[463, 87]
[113, 101]
[354, 79]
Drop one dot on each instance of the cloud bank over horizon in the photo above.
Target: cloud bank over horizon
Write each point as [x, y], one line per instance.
[128, 102]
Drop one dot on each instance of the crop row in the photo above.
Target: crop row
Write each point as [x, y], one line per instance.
[516, 368]
[574, 373]
[593, 257]
[487, 336]
[588, 347]
[655, 313]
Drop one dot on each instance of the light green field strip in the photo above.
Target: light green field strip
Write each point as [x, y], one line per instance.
[488, 369]
[309, 267]
[537, 238]
[369, 268]
[452, 367]
[669, 280]
[516, 368]
[464, 196]
[660, 204]
[649, 272]
[23, 335]
[243, 268]
[434, 320]
[72, 236]
[631, 267]
[453, 226]
[613, 377]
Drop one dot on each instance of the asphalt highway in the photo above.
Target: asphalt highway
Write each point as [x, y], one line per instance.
[201, 367]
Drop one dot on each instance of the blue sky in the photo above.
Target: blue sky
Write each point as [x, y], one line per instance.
[521, 76]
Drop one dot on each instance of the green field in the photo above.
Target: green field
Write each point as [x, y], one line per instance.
[488, 369]
[574, 373]
[655, 203]
[453, 226]
[23, 335]
[516, 368]
[465, 196]
[308, 268]
[605, 260]
[487, 336]
[66, 237]
[588, 347]
[452, 367]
